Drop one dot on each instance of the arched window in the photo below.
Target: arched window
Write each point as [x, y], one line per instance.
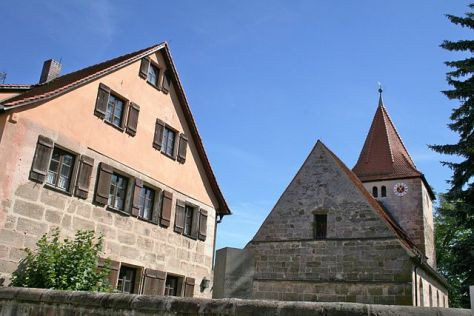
[375, 191]
[431, 296]
[422, 303]
[383, 191]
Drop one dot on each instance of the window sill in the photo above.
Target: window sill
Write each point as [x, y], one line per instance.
[147, 220]
[154, 86]
[122, 129]
[116, 210]
[56, 189]
[189, 236]
[169, 156]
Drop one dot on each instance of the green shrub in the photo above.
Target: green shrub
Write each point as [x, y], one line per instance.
[64, 265]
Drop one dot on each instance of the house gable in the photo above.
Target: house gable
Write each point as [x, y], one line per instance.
[73, 96]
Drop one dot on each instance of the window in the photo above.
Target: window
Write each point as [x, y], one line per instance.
[126, 279]
[375, 192]
[430, 292]
[153, 75]
[383, 191]
[169, 137]
[118, 188]
[422, 300]
[60, 169]
[114, 111]
[320, 226]
[188, 219]
[173, 286]
[147, 197]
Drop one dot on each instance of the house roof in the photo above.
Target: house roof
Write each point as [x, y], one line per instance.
[41, 93]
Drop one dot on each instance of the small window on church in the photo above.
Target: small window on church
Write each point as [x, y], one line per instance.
[320, 226]
[375, 191]
[383, 191]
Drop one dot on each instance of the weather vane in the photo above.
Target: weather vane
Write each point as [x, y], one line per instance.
[380, 87]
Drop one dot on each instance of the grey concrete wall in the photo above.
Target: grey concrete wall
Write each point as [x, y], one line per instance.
[25, 302]
[233, 273]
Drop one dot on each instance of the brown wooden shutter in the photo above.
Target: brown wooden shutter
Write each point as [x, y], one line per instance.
[114, 271]
[195, 223]
[166, 81]
[159, 130]
[202, 225]
[84, 176]
[136, 197]
[132, 121]
[179, 217]
[166, 208]
[154, 283]
[41, 159]
[189, 287]
[182, 147]
[102, 100]
[155, 216]
[103, 183]
[144, 67]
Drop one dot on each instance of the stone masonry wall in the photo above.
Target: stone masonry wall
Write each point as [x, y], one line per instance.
[33, 209]
[363, 271]
[25, 302]
[413, 212]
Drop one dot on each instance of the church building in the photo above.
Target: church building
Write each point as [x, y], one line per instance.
[364, 235]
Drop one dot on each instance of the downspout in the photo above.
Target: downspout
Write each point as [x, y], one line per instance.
[416, 286]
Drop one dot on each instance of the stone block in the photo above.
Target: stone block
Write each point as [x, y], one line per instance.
[142, 229]
[126, 238]
[16, 254]
[112, 247]
[108, 231]
[84, 210]
[28, 191]
[31, 227]
[66, 221]
[103, 216]
[82, 224]
[129, 252]
[11, 238]
[10, 222]
[145, 243]
[53, 216]
[53, 199]
[7, 266]
[3, 251]
[28, 209]
[123, 222]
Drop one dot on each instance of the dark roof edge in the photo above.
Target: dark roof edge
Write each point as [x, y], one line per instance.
[431, 271]
[224, 209]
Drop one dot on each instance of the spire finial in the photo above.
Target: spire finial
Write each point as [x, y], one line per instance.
[380, 94]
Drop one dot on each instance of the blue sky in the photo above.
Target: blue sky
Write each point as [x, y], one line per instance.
[265, 79]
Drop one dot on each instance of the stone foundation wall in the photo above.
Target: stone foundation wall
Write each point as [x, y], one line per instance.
[25, 302]
[34, 209]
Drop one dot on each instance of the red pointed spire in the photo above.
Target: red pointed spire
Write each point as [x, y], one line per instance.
[384, 156]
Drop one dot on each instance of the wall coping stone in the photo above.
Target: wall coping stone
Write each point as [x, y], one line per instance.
[115, 303]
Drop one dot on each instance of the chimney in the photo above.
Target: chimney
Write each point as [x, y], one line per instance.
[51, 69]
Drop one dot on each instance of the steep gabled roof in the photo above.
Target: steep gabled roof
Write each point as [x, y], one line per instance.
[384, 156]
[41, 93]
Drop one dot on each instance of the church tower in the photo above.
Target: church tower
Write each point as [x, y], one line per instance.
[390, 175]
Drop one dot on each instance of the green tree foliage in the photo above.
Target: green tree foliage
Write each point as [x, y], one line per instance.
[449, 242]
[459, 216]
[64, 265]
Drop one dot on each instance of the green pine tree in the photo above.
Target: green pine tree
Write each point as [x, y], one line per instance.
[459, 237]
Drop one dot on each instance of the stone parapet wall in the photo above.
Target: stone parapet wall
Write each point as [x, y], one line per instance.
[23, 302]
